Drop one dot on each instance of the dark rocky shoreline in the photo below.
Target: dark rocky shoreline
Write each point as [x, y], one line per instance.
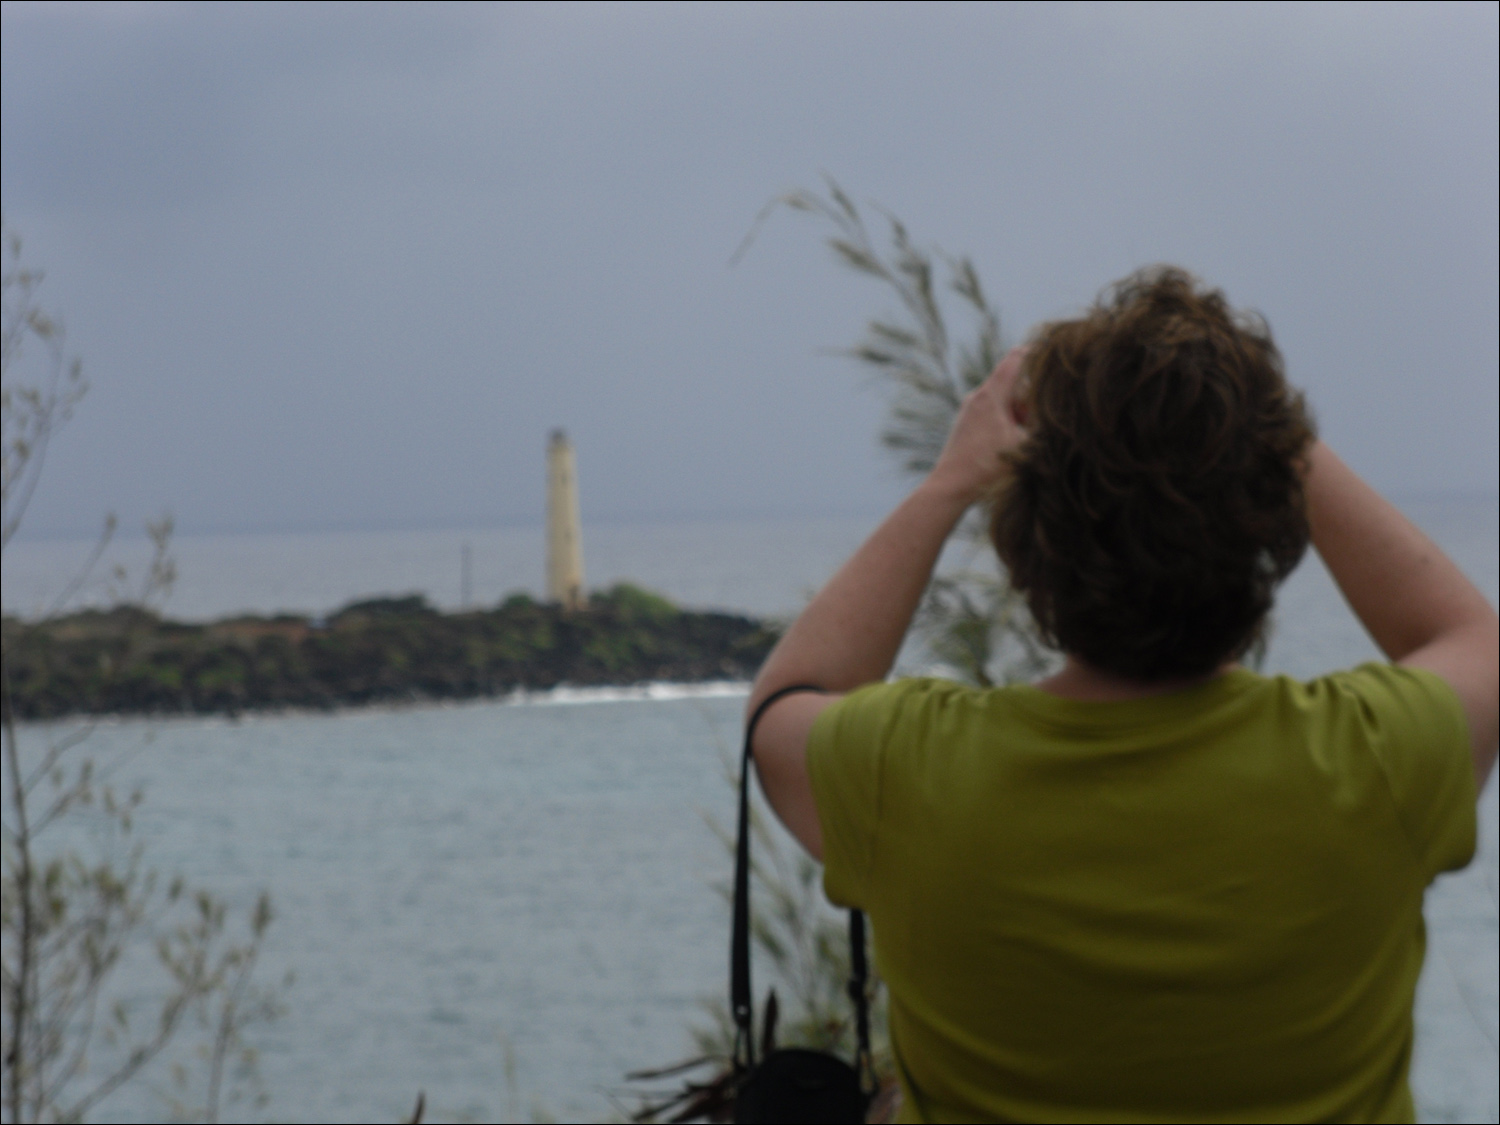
[129, 661]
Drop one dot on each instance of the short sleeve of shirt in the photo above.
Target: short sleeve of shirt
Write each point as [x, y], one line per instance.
[1419, 735]
[845, 763]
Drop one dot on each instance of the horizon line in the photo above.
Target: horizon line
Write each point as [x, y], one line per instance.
[538, 523]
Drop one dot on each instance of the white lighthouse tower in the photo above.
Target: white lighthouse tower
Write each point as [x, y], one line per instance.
[564, 532]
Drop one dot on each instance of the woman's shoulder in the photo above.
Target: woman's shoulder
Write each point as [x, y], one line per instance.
[912, 698]
[1404, 726]
[1377, 690]
[918, 688]
[903, 719]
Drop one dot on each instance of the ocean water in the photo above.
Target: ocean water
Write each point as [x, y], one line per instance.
[508, 905]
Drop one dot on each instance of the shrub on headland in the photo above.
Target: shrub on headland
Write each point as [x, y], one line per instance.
[131, 661]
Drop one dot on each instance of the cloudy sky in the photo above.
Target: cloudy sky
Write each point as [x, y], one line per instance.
[345, 266]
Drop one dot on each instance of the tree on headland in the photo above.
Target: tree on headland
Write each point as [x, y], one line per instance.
[70, 919]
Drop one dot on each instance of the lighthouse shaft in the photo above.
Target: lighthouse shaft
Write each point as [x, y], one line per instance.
[564, 532]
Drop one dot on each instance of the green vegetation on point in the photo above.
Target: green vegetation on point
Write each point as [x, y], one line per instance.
[129, 660]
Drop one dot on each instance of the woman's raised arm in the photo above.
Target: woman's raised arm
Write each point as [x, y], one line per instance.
[850, 633]
[1415, 603]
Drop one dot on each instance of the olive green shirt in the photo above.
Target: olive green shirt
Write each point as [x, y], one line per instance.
[1201, 906]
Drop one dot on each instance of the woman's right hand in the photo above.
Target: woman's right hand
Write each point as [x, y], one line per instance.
[990, 425]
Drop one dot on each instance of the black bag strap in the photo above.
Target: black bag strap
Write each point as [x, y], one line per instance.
[741, 995]
[859, 994]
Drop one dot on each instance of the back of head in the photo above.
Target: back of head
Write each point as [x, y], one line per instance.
[1157, 502]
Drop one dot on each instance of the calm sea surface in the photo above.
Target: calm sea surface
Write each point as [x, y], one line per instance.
[510, 905]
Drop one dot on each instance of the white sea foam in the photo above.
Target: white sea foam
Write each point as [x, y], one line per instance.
[652, 693]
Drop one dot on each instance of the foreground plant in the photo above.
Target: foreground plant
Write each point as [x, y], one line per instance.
[971, 624]
[70, 919]
[804, 943]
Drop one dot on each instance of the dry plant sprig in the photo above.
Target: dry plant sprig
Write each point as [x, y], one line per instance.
[34, 411]
[929, 374]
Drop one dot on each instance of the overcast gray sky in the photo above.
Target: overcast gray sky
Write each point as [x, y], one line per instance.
[345, 266]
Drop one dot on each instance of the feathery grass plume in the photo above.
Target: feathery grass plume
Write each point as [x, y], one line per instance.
[973, 624]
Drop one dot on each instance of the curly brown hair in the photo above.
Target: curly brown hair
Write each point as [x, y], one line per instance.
[1157, 502]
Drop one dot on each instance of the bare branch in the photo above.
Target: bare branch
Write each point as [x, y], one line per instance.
[30, 412]
[70, 591]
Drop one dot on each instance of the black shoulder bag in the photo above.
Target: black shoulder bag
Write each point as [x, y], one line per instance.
[791, 1084]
